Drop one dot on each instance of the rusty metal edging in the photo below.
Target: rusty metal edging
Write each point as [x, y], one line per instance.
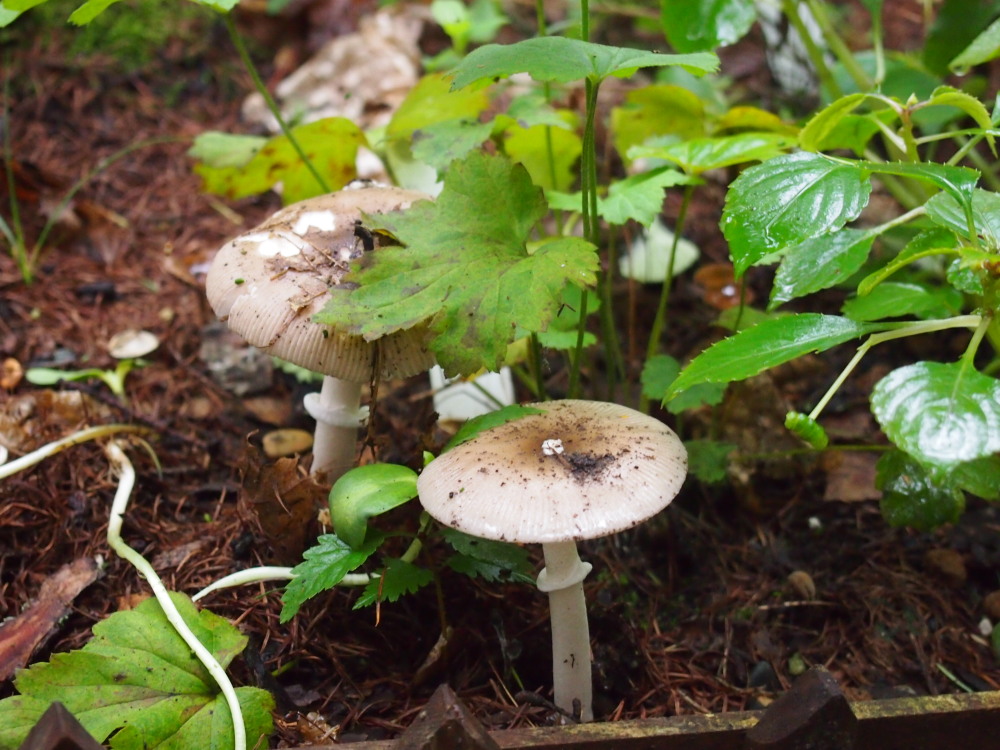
[943, 722]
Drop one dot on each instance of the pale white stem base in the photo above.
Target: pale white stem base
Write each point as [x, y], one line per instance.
[562, 579]
[338, 414]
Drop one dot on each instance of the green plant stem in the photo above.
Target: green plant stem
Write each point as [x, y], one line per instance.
[14, 235]
[790, 9]
[840, 50]
[241, 50]
[969, 356]
[50, 449]
[535, 363]
[660, 318]
[126, 481]
[898, 331]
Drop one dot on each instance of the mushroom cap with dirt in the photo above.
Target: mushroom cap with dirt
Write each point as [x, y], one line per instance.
[268, 283]
[578, 470]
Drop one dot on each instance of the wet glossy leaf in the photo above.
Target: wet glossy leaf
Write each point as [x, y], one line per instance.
[562, 60]
[464, 268]
[944, 210]
[696, 155]
[818, 132]
[980, 477]
[767, 344]
[911, 496]
[365, 492]
[787, 200]
[931, 242]
[820, 263]
[706, 24]
[895, 299]
[136, 681]
[942, 414]
[323, 567]
[948, 96]
[958, 182]
[984, 47]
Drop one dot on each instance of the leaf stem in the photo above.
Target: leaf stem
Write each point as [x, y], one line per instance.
[241, 50]
[50, 449]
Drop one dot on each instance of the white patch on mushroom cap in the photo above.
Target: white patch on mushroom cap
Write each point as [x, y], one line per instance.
[270, 245]
[324, 221]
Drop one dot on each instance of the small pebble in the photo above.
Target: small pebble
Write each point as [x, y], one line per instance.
[803, 584]
[948, 564]
[991, 605]
[286, 443]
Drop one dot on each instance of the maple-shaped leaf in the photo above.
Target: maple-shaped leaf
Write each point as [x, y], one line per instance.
[138, 682]
[464, 268]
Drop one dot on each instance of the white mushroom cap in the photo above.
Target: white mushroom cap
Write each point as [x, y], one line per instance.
[132, 344]
[270, 282]
[617, 468]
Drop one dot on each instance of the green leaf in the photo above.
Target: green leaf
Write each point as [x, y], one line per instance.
[216, 149]
[223, 6]
[947, 96]
[640, 197]
[931, 242]
[697, 396]
[89, 11]
[323, 567]
[956, 23]
[708, 459]
[820, 263]
[465, 268]
[980, 477]
[488, 559]
[8, 15]
[367, 491]
[655, 111]
[330, 144]
[441, 143]
[431, 102]
[947, 212]
[396, 579]
[486, 421]
[941, 414]
[706, 24]
[912, 496]
[894, 299]
[958, 182]
[137, 680]
[697, 155]
[984, 47]
[767, 344]
[658, 372]
[789, 199]
[558, 59]
[834, 126]
[743, 118]
[531, 147]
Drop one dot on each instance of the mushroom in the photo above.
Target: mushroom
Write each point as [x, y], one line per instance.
[270, 282]
[578, 470]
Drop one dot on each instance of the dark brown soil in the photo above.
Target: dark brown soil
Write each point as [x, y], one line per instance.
[697, 611]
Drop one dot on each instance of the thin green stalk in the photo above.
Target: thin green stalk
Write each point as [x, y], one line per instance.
[241, 50]
[837, 46]
[56, 446]
[660, 318]
[790, 9]
[969, 356]
[15, 234]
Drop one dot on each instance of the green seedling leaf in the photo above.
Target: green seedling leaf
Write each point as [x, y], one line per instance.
[980, 477]
[825, 130]
[931, 242]
[639, 198]
[820, 263]
[89, 11]
[807, 429]
[948, 96]
[219, 150]
[658, 372]
[958, 182]
[787, 200]
[465, 269]
[367, 491]
[330, 144]
[533, 148]
[767, 344]
[894, 299]
[137, 683]
[708, 459]
[983, 48]
[697, 396]
[558, 59]
[488, 559]
[655, 111]
[706, 25]
[698, 155]
[947, 212]
[912, 496]
[485, 421]
[323, 567]
[396, 579]
[941, 414]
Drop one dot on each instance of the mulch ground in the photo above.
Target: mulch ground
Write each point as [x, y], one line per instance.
[713, 606]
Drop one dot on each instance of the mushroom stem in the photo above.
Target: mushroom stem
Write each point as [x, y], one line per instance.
[562, 579]
[338, 414]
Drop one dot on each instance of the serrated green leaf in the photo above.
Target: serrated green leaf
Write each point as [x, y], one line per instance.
[835, 126]
[949, 96]
[984, 47]
[533, 147]
[441, 143]
[658, 372]
[323, 567]
[706, 24]
[137, 679]
[330, 144]
[485, 421]
[912, 496]
[980, 477]
[697, 396]
[465, 269]
[820, 263]
[559, 59]
[656, 110]
[941, 414]
[958, 182]
[367, 491]
[767, 344]
[787, 200]
[894, 299]
[496, 560]
[640, 197]
[931, 242]
[697, 155]
[947, 212]
[396, 579]
[708, 459]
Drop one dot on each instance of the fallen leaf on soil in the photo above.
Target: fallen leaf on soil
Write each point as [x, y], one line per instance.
[20, 636]
[283, 498]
